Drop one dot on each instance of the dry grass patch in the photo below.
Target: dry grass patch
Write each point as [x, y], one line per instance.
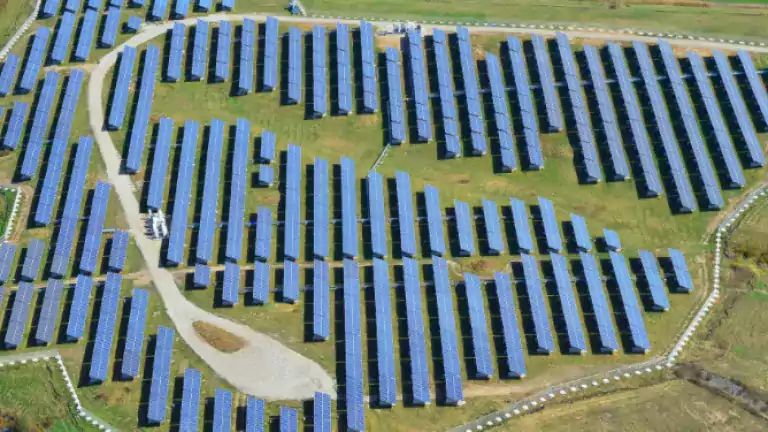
[220, 339]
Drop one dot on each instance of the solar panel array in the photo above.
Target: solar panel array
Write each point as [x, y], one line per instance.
[505, 135]
[321, 315]
[289, 420]
[222, 411]
[322, 413]
[143, 110]
[122, 85]
[551, 227]
[680, 271]
[395, 98]
[134, 338]
[231, 288]
[419, 86]
[637, 333]
[85, 37]
[581, 233]
[434, 220]
[466, 236]
[454, 394]
[209, 207]
[111, 24]
[223, 52]
[725, 149]
[263, 234]
[385, 350]
[178, 232]
[543, 340]
[105, 329]
[349, 208]
[472, 93]
[446, 93]
[651, 178]
[600, 311]
[320, 208]
[712, 195]
[513, 348]
[269, 82]
[49, 311]
[492, 227]
[353, 355]
[295, 71]
[247, 45]
[63, 38]
[254, 415]
[7, 256]
[658, 295]
[522, 225]
[370, 90]
[200, 51]
[8, 75]
[547, 83]
[755, 85]
[343, 69]
[478, 322]
[416, 335]
[32, 260]
[34, 60]
[405, 214]
[17, 323]
[376, 217]
[190, 401]
[15, 129]
[39, 126]
[78, 310]
[563, 281]
[160, 161]
[237, 190]
[178, 42]
[92, 244]
[290, 281]
[292, 224]
[161, 375]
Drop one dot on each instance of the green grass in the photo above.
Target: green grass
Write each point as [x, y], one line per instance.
[6, 207]
[12, 15]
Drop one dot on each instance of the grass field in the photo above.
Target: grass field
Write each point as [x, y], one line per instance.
[12, 15]
[7, 197]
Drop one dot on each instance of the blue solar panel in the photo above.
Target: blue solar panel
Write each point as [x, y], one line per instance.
[295, 71]
[544, 342]
[222, 411]
[200, 51]
[143, 110]
[122, 85]
[405, 214]
[78, 311]
[600, 310]
[658, 294]
[513, 346]
[563, 281]
[321, 314]
[454, 393]
[161, 375]
[227, 5]
[15, 128]
[17, 323]
[551, 228]
[31, 266]
[755, 84]
[712, 194]
[254, 415]
[289, 419]
[546, 80]
[466, 235]
[238, 189]
[447, 98]
[269, 77]
[203, 5]
[34, 60]
[176, 55]
[370, 88]
[293, 203]
[93, 4]
[209, 207]
[109, 33]
[266, 176]
[478, 322]
[223, 51]
[133, 24]
[343, 69]
[134, 338]
[725, 149]
[385, 352]
[180, 9]
[247, 45]
[72, 5]
[158, 11]
[50, 8]
[319, 81]
[508, 159]
[105, 329]
[202, 276]
[472, 94]
[612, 240]
[8, 76]
[419, 86]
[85, 37]
[322, 413]
[416, 335]
[522, 225]
[686, 200]
[92, 244]
[7, 257]
[321, 208]
[63, 37]
[290, 281]
[261, 282]
[231, 288]
[353, 356]
[37, 134]
[434, 220]
[267, 149]
[263, 234]
[581, 233]
[156, 193]
[181, 199]
[190, 401]
[349, 208]
[651, 179]
[49, 311]
[376, 217]
[395, 98]
[492, 227]
[681, 274]
[638, 335]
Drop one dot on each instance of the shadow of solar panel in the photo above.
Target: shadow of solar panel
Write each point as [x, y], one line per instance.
[320, 209]
[8, 75]
[263, 250]
[179, 220]
[34, 60]
[247, 45]
[434, 220]
[85, 37]
[143, 110]
[551, 228]
[269, 78]
[238, 189]
[261, 282]
[39, 127]
[7, 258]
[343, 69]
[92, 244]
[478, 323]
[223, 52]
[492, 227]
[63, 37]
[178, 41]
[637, 333]
[209, 208]
[376, 216]
[78, 310]
[158, 11]
[454, 394]
[581, 233]
[522, 225]
[349, 208]
[105, 329]
[162, 153]
[353, 355]
[222, 411]
[292, 223]
[200, 50]
[515, 360]
[466, 235]
[109, 33]
[385, 353]
[658, 297]
[254, 414]
[15, 127]
[202, 276]
[416, 335]
[544, 342]
[405, 214]
[49, 311]
[190, 401]
[231, 289]
[680, 271]
[17, 323]
[290, 281]
[161, 374]
[564, 283]
[321, 301]
[134, 339]
[122, 85]
[322, 412]
[395, 98]
[31, 266]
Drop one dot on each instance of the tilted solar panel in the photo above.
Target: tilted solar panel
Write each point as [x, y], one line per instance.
[238, 189]
[289, 419]
[63, 38]
[416, 335]
[395, 98]
[478, 323]
[50, 8]
[471, 93]
[231, 289]
[353, 352]
[492, 227]
[263, 249]
[321, 301]
[405, 214]
[376, 216]
[522, 225]
[72, 5]
[190, 401]
[158, 11]
[290, 281]
[418, 85]
[254, 415]
[466, 236]
[612, 240]
[319, 80]
[223, 52]
[349, 208]
[85, 37]
[133, 24]
[180, 9]
[551, 228]
[295, 71]
[143, 109]
[454, 394]
[17, 322]
[385, 351]
[49, 311]
[261, 282]
[447, 97]
[370, 88]
[680, 268]
[222, 411]
[161, 375]
[344, 69]
[505, 137]
[78, 311]
[122, 85]
[755, 84]
[227, 5]
[267, 149]
[202, 276]
[15, 128]
[210, 204]
[200, 51]
[581, 233]
[105, 329]
[546, 80]
[134, 339]
[321, 209]
[32, 261]
[637, 333]
[92, 245]
[434, 220]
[293, 202]
[247, 45]
[269, 78]
[563, 281]
[39, 127]
[34, 60]
[156, 194]
[179, 220]
[658, 295]
[178, 37]
[513, 346]
[7, 258]
[322, 413]
[544, 342]
[109, 33]
[600, 311]
[8, 75]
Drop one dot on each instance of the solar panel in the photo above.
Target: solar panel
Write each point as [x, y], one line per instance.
[143, 109]
[34, 60]
[92, 244]
[178, 232]
[133, 24]
[72, 5]
[238, 189]
[376, 217]
[581, 233]
[295, 71]
[546, 80]
[161, 374]
[319, 82]
[293, 203]
[712, 194]
[85, 37]
[405, 214]
[17, 323]
[508, 160]
[7, 257]
[227, 5]
[134, 339]
[551, 228]
[254, 417]
[472, 94]
[289, 419]
[322, 413]
[290, 281]
[651, 179]
[725, 149]
[222, 411]
[419, 86]
[612, 240]
[680, 271]
[223, 52]
[416, 336]
[31, 266]
[755, 84]
[176, 55]
[266, 176]
[8, 75]
[156, 193]
[269, 77]
[158, 11]
[370, 88]
[267, 149]
[321, 301]
[434, 220]
[686, 200]
[49, 311]
[202, 276]
[563, 281]
[15, 128]
[544, 342]
[466, 235]
[447, 97]
[105, 329]
[349, 208]
[209, 207]
[395, 98]
[203, 5]
[638, 335]
[247, 45]
[261, 282]
[63, 37]
[601, 312]
[492, 227]
[37, 134]
[231, 288]
[478, 322]
[513, 346]
[190, 401]
[343, 69]
[454, 394]
[180, 9]
[385, 351]
[122, 87]
[93, 4]
[200, 51]
[109, 33]
[658, 295]
[78, 311]
[353, 352]
[50, 8]
[522, 225]
[320, 209]
[263, 249]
